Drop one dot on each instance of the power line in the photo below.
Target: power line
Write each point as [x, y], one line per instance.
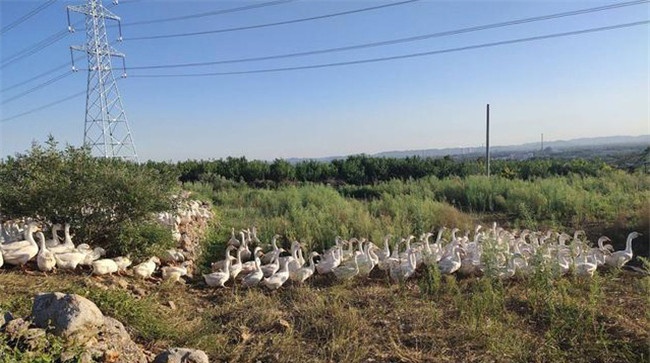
[23, 18]
[36, 88]
[34, 48]
[44, 106]
[404, 40]
[271, 24]
[40, 75]
[209, 13]
[403, 56]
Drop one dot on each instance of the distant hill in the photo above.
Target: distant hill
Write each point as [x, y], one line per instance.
[593, 142]
[522, 151]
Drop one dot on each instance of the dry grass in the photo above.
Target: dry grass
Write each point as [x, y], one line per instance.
[471, 320]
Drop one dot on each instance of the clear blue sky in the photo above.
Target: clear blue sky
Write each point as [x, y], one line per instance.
[589, 85]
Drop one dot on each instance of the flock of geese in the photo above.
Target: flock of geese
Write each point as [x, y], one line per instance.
[495, 252]
[53, 253]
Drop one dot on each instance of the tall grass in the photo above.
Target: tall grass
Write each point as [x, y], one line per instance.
[571, 201]
[316, 214]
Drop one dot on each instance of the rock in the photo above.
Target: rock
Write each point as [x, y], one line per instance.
[5, 317]
[182, 355]
[122, 283]
[71, 316]
[139, 291]
[111, 356]
[35, 338]
[19, 331]
[16, 328]
[114, 344]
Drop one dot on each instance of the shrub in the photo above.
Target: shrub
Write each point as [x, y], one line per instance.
[102, 199]
[143, 239]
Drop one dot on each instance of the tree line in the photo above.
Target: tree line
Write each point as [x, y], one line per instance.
[365, 170]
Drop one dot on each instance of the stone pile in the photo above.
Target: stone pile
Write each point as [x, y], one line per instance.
[89, 335]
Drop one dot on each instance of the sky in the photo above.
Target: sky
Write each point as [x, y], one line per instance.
[588, 85]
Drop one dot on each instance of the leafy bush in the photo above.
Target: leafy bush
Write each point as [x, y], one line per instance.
[143, 239]
[102, 199]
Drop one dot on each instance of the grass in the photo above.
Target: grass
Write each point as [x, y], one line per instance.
[430, 318]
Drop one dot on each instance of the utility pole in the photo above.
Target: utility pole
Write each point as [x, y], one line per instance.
[487, 142]
[542, 147]
[106, 129]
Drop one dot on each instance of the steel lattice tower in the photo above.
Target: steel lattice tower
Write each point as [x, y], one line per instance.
[106, 130]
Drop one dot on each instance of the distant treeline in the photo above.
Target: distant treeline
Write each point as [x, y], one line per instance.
[364, 170]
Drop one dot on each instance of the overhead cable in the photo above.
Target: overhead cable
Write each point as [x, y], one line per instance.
[36, 88]
[40, 75]
[403, 56]
[44, 106]
[401, 40]
[331, 15]
[34, 48]
[23, 18]
[209, 13]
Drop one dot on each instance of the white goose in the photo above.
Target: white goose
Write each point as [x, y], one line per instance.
[106, 266]
[220, 265]
[450, 263]
[279, 278]
[254, 277]
[29, 231]
[586, 265]
[391, 260]
[123, 262]
[563, 262]
[67, 245]
[219, 278]
[18, 253]
[69, 260]
[401, 271]
[385, 253]
[91, 254]
[329, 261]
[305, 272]
[174, 273]
[272, 267]
[236, 267]
[172, 255]
[145, 269]
[55, 241]
[45, 259]
[601, 252]
[347, 271]
[509, 270]
[233, 241]
[364, 261]
[246, 252]
[250, 266]
[270, 256]
[294, 262]
[619, 258]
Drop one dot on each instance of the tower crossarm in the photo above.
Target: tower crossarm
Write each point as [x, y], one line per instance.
[110, 51]
[94, 10]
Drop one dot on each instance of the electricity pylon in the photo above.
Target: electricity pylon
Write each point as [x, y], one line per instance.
[106, 129]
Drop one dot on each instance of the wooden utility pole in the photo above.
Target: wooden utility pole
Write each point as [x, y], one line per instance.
[487, 142]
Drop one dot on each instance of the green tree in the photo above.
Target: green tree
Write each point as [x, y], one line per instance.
[281, 171]
[99, 197]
